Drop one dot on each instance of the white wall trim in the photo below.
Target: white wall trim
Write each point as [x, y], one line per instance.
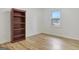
[63, 36]
[32, 34]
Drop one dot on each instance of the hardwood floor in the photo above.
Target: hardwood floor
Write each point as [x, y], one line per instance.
[43, 42]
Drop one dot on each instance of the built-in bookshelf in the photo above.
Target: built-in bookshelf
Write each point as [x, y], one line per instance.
[17, 25]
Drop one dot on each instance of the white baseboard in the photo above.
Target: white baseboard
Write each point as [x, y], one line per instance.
[32, 34]
[63, 36]
[4, 41]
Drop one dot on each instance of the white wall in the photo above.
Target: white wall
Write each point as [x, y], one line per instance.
[69, 23]
[4, 25]
[33, 17]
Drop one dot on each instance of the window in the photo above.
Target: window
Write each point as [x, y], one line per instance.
[56, 17]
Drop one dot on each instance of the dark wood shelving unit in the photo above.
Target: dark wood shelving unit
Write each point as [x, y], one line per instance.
[17, 25]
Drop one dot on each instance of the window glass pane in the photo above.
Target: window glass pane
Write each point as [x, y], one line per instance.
[55, 14]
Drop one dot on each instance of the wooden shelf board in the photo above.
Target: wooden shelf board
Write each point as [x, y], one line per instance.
[20, 35]
[20, 29]
[19, 16]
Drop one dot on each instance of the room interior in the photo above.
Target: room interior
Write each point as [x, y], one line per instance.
[39, 28]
